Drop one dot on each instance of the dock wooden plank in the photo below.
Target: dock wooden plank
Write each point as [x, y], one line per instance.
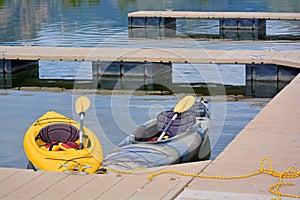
[291, 59]
[121, 188]
[168, 186]
[109, 54]
[27, 184]
[191, 55]
[6, 172]
[65, 187]
[267, 57]
[215, 55]
[96, 187]
[235, 57]
[16, 180]
[216, 15]
[250, 57]
[289, 63]
[37, 185]
[226, 57]
[277, 55]
[217, 195]
[156, 55]
[293, 55]
[253, 185]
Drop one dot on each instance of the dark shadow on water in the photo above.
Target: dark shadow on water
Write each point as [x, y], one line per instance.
[233, 35]
[30, 78]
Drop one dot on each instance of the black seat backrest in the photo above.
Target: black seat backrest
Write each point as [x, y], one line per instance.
[59, 133]
[141, 134]
[182, 122]
[198, 109]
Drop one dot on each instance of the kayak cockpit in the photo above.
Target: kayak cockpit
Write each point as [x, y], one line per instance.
[57, 137]
[151, 131]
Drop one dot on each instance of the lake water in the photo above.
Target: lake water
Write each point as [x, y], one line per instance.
[104, 24]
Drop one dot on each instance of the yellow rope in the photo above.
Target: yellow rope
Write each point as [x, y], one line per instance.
[292, 172]
[126, 172]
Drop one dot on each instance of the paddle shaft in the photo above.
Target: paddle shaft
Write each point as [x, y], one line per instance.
[167, 127]
[81, 129]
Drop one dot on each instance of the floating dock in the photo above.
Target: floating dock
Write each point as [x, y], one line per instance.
[289, 58]
[261, 65]
[216, 15]
[227, 20]
[158, 55]
[273, 133]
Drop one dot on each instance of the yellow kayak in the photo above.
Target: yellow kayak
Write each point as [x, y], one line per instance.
[52, 143]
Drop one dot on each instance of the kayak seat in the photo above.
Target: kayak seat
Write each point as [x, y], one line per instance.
[141, 134]
[182, 122]
[198, 109]
[59, 133]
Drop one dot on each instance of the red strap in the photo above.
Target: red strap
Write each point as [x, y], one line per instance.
[63, 145]
[70, 145]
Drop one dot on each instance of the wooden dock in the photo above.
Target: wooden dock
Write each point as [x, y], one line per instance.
[280, 65]
[242, 25]
[216, 15]
[289, 58]
[27, 184]
[273, 133]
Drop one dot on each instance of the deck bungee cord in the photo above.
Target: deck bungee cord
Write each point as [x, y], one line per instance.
[50, 120]
[290, 173]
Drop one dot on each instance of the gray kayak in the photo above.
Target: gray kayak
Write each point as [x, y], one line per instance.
[186, 140]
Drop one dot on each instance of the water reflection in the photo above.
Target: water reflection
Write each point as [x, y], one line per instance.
[76, 22]
[164, 84]
[78, 3]
[210, 29]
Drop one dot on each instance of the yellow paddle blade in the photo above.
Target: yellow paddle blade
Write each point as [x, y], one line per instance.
[82, 104]
[184, 104]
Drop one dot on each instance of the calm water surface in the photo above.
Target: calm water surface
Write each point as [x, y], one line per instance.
[93, 23]
[104, 24]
